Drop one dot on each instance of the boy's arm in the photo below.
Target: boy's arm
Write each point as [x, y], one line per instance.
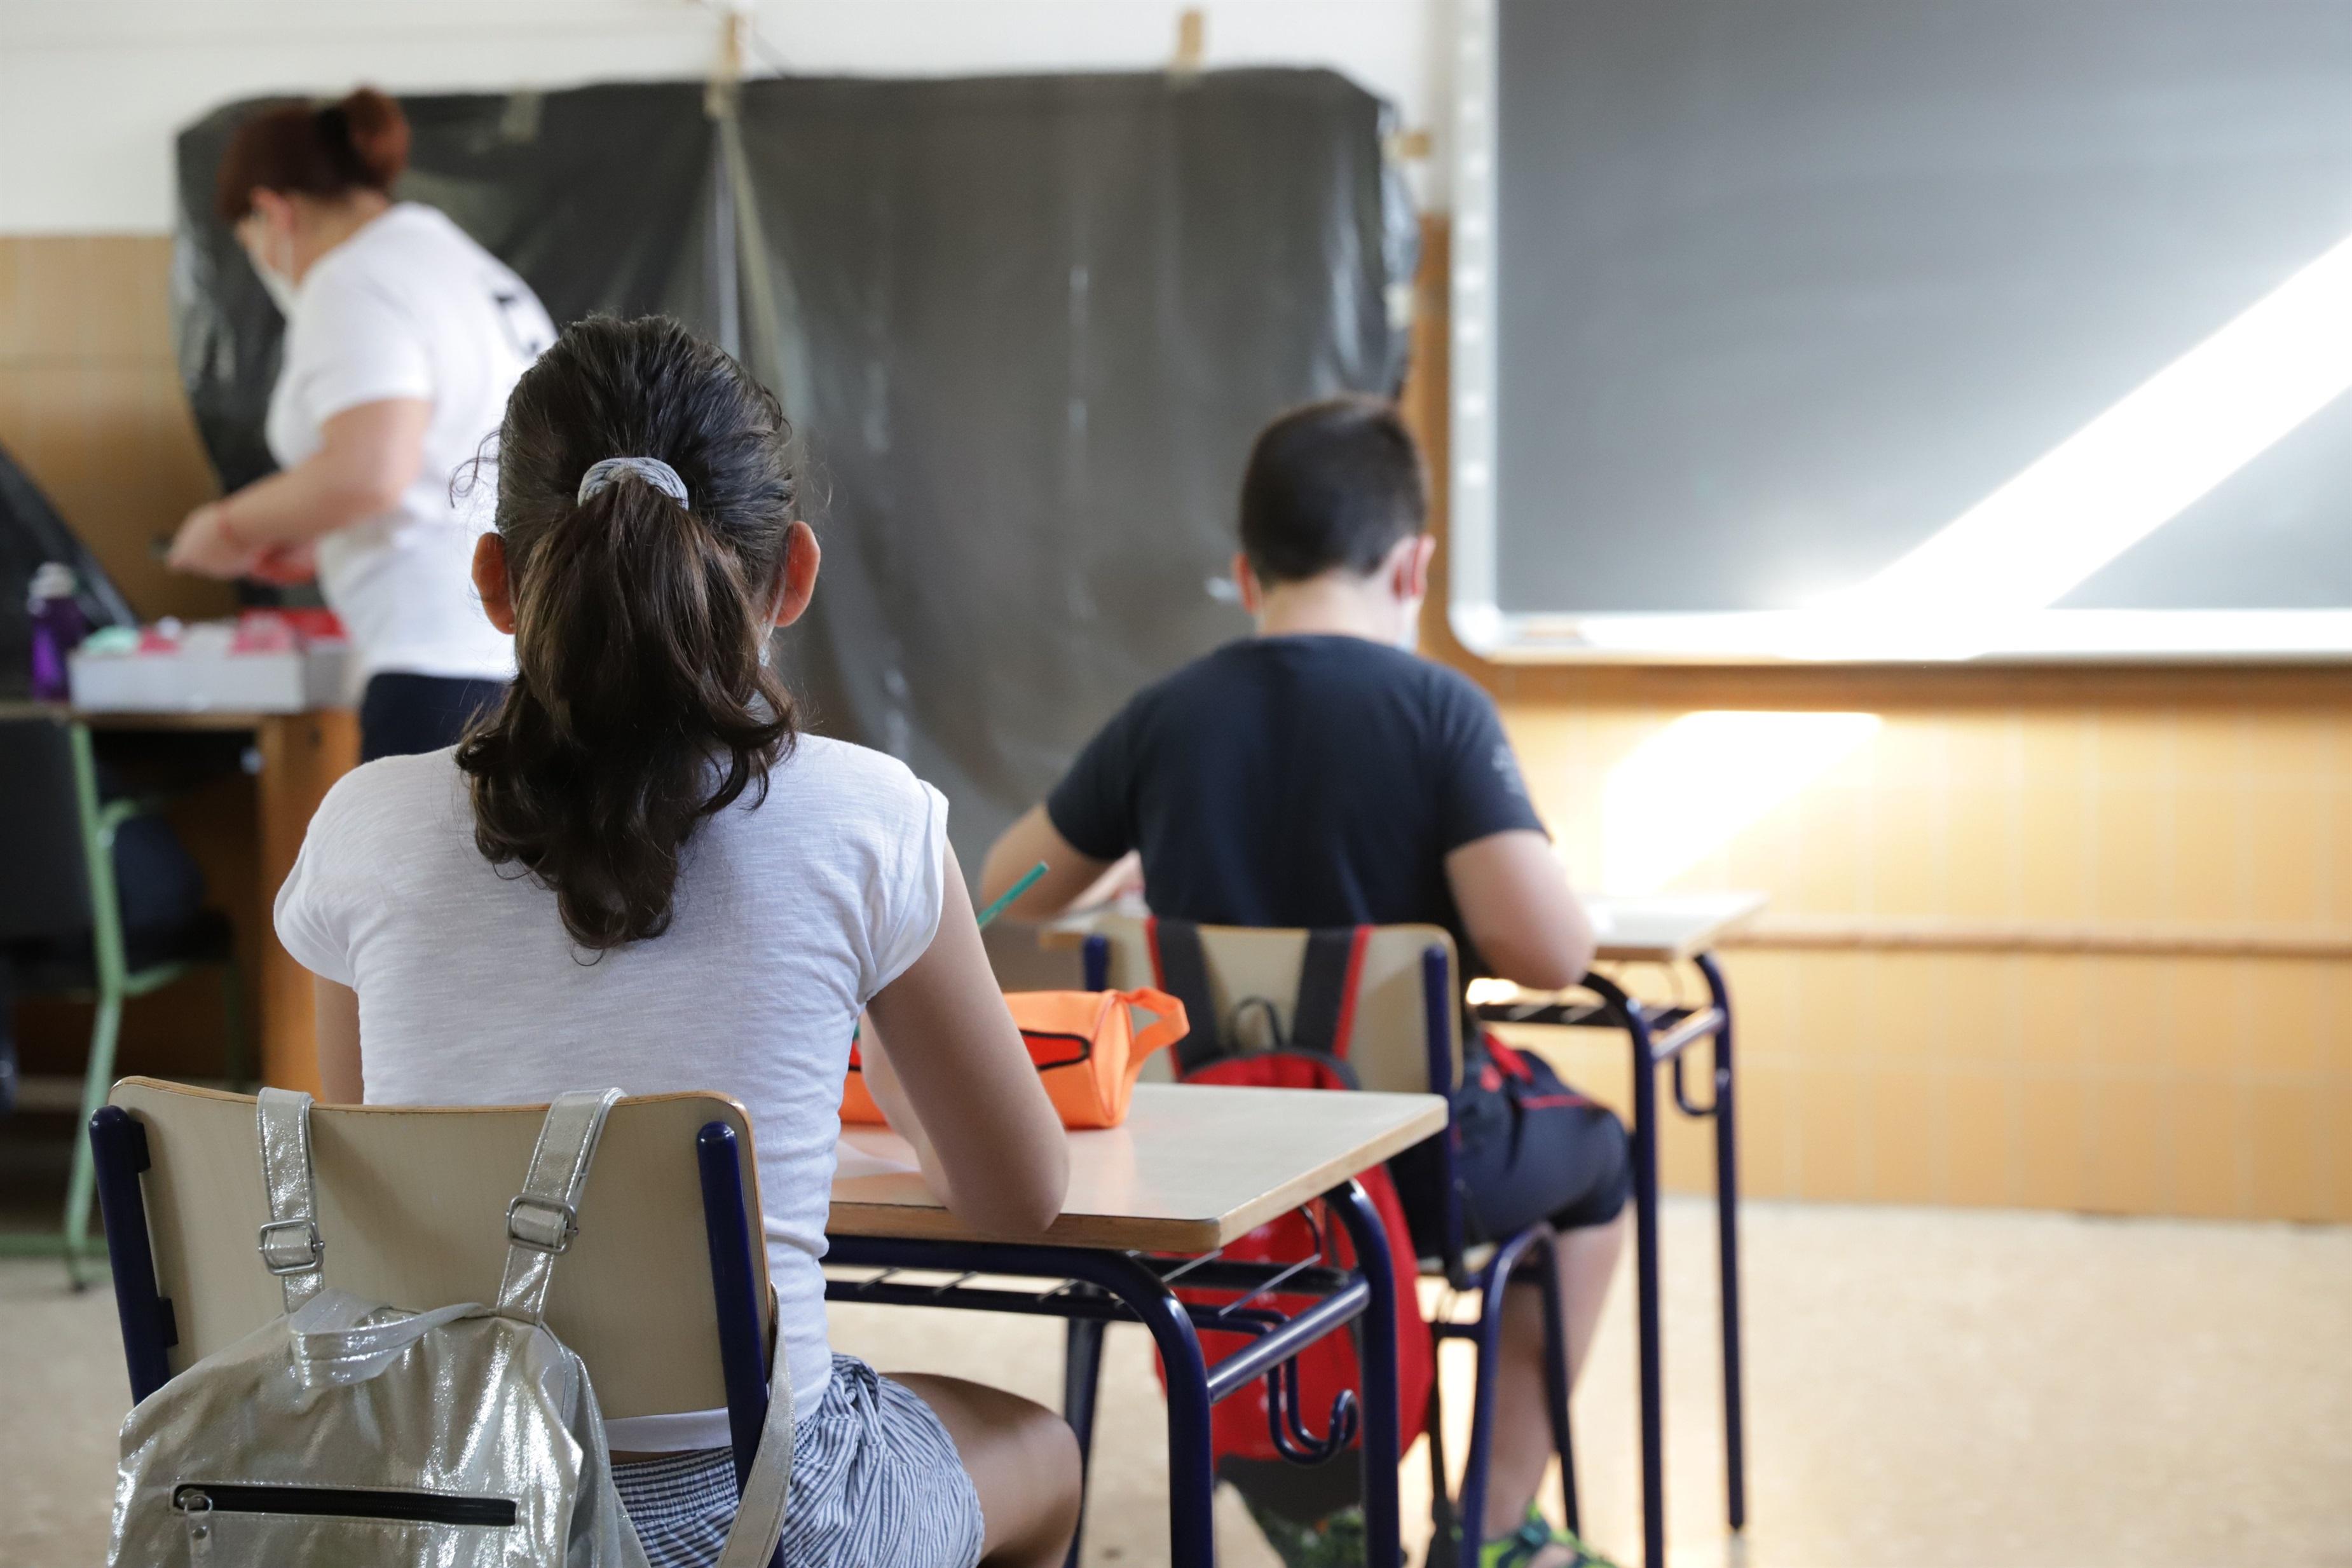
[1517, 906]
[1093, 803]
[1511, 888]
[1069, 874]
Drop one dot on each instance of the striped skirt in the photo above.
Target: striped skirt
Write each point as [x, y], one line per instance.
[876, 1484]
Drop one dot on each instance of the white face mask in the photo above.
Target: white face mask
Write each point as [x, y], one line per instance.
[281, 290]
[280, 283]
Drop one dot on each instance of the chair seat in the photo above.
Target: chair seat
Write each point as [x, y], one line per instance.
[70, 963]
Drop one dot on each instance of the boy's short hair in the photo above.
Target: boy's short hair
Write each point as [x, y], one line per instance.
[1330, 483]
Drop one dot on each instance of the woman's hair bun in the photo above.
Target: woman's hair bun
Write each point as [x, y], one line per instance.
[298, 149]
[379, 134]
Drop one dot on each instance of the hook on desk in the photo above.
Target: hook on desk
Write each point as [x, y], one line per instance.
[1682, 1097]
[1284, 1421]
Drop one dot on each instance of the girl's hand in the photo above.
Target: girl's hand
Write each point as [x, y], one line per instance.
[286, 565]
[205, 548]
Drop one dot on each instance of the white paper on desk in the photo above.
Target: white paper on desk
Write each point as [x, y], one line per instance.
[849, 1160]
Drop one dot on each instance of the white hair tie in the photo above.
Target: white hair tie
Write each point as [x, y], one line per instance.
[652, 470]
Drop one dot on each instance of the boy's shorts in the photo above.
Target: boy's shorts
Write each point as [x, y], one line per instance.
[1527, 1147]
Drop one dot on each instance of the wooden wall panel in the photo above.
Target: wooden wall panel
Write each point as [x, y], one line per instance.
[91, 404]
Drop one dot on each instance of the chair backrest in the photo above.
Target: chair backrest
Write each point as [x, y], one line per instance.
[46, 892]
[411, 1210]
[1389, 1040]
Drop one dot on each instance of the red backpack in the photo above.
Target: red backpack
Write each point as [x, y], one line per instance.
[1315, 1056]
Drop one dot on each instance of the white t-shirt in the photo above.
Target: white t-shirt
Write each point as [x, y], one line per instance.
[410, 306]
[789, 917]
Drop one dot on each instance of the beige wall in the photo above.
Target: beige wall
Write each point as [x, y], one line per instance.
[91, 404]
[2171, 1084]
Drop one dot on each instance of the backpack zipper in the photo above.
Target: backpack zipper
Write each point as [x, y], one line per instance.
[200, 1501]
[197, 1510]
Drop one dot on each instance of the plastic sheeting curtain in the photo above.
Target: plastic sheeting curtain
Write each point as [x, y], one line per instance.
[1025, 328]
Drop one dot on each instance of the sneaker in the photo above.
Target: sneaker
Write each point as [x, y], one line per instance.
[1335, 1540]
[1527, 1545]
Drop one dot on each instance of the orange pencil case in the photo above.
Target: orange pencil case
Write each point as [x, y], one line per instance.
[1086, 1046]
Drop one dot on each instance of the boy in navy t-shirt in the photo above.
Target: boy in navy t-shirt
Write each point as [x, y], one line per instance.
[1320, 774]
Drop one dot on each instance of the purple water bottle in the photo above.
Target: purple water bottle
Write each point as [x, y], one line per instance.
[59, 627]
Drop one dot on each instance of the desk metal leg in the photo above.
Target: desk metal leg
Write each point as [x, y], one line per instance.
[1726, 1220]
[1379, 1361]
[1645, 1262]
[1081, 1379]
[1493, 1285]
[1192, 1469]
[1555, 1379]
[1644, 1141]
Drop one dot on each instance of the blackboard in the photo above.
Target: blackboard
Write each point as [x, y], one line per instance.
[1755, 298]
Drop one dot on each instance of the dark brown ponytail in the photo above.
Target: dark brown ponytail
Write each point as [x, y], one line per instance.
[359, 143]
[643, 703]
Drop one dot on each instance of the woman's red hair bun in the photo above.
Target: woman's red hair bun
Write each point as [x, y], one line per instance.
[360, 142]
[379, 134]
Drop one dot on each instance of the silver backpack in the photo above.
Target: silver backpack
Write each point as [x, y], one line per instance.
[361, 1436]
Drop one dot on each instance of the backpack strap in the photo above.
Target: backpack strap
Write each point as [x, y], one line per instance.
[289, 1244]
[1180, 967]
[1324, 1015]
[544, 1217]
[759, 1526]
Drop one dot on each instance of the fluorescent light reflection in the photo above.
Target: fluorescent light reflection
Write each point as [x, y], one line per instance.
[2131, 470]
[1986, 582]
[1688, 790]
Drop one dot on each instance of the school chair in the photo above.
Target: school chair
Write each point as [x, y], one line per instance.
[62, 933]
[669, 1315]
[1404, 1035]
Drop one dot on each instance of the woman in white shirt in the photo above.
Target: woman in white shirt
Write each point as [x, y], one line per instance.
[635, 873]
[402, 340]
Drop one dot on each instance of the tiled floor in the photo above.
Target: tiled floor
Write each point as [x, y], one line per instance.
[1926, 1387]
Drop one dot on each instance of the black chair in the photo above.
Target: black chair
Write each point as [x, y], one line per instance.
[62, 930]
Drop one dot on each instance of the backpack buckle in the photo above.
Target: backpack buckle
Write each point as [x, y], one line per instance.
[275, 1253]
[537, 1234]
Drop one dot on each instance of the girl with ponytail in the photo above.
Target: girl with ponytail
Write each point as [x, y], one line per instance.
[636, 871]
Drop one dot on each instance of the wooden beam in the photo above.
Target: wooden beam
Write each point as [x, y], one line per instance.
[1895, 935]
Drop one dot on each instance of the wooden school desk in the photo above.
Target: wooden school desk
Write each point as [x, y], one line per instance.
[1151, 1204]
[1667, 929]
[301, 754]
